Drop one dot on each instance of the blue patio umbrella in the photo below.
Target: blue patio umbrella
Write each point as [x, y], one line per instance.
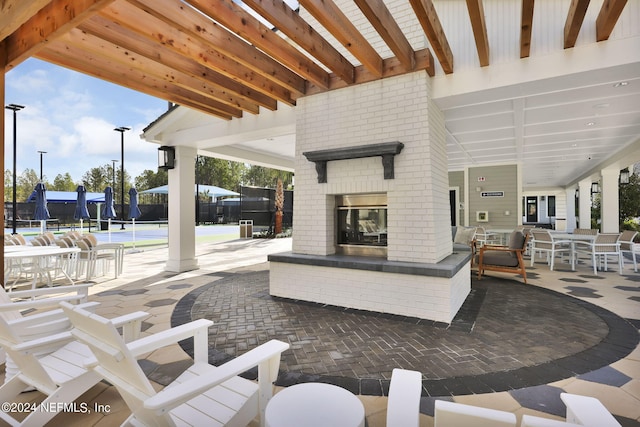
[41, 213]
[134, 212]
[109, 210]
[81, 211]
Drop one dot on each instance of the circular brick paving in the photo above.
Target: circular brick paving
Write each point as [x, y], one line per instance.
[517, 336]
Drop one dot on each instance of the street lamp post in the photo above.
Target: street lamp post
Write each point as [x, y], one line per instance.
[41, 153]
[113, 170]
[15, 109]
[122, 130]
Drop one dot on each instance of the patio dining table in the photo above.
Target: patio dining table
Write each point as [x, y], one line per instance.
[574, 239]
[38, 259]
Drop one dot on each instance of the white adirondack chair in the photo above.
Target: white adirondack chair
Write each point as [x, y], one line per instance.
[403, 406]
[204, 395]
[61, 374]
[42, 299]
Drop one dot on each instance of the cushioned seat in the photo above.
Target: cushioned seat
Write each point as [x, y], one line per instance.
[506, 259]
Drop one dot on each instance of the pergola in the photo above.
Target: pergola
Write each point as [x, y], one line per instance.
[225, 59]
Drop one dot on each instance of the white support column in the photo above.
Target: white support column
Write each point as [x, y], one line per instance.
[610, 205]
[570, 194]
[585, 204]
[182, 212]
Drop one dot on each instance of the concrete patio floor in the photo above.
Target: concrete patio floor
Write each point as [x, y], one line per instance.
[617, 385]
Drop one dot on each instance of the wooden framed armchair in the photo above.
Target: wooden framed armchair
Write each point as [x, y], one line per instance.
[507, 259]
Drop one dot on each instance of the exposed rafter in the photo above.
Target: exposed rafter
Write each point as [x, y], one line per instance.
[575, 17]
[227, 58]
[526, 27]
[476, 14]
[607, 18]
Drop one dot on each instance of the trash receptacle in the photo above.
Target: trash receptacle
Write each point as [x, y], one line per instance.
[246, 229]
[104, 225]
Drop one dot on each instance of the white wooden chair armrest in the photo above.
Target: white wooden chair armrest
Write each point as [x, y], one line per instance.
[458, 414]
[532, 421]
[587, 411]
[39, 343]
[171, 336]
[38, 319]
[178, 394]
[403, 406]
[131, 324]
[82, 288]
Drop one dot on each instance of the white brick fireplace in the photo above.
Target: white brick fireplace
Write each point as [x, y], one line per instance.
[420, 277]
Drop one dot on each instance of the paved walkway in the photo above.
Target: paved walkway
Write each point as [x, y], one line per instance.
[514, 347]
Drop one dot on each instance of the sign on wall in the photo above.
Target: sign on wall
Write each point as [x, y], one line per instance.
[492, 194]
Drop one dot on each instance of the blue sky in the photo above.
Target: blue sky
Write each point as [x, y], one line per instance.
[71, 116]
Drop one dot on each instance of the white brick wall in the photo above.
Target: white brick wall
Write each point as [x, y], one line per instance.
[424, 297]
[394, 109]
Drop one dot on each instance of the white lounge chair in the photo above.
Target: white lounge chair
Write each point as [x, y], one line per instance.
[60, 375]
[403, 406]
[451, 414]
[587, 411]
[202, 395]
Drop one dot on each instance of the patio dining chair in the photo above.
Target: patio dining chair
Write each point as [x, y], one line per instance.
[627, 245]
[507, 259]
[203, 395]
[60, 375]
[604, 246]
[544, 242]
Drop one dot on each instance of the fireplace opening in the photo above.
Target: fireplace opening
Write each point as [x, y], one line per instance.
[362, 224]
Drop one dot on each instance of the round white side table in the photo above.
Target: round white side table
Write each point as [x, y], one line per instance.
[314, 405]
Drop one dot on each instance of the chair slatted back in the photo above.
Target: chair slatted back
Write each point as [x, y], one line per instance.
[115, 362]
[542, 238]
[585, 231]
[626, 239]
[26, 361]
[606, 242]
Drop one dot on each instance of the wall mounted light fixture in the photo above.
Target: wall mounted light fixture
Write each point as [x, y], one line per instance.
[166, 157]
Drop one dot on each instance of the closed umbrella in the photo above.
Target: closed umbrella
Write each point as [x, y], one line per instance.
[134, 212]
[109, 210]
[81, 211]
[42, 213]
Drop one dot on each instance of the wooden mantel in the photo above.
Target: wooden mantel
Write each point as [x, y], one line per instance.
[387, 150]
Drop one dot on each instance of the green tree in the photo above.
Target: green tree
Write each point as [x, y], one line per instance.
[259, 176]
[219, 172]
[26, 183]
[96, 179]
[151, 179]
[63, 183]
[8, 185]
[629, 198]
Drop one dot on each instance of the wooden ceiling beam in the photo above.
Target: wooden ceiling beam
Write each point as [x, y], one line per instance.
[148, 26]
[575, 18]
[53, 20]
[608, 17]
[14, 13]
[391, 66]
[148, 67]
[476, 15]
[64, 54]
[278, 13]
[242, 23]
[184, 18]
[380, 17]
[428, 17]
[334, 20]
[526, 26]
[230, 91]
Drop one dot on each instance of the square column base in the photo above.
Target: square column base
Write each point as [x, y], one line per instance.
[179, 266]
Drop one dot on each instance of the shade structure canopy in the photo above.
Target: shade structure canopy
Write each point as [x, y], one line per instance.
[108, 211]
[81, 211]
[41, 213]
[134, 210]
[68, 197]
[211, 190]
